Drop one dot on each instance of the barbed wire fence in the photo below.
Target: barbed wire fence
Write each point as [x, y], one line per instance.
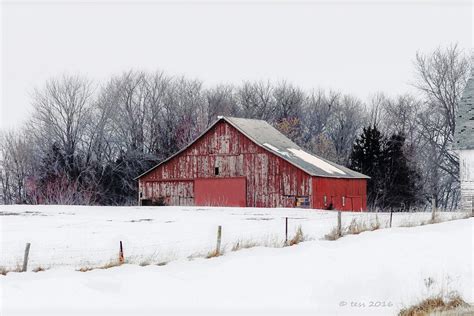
[266, 232]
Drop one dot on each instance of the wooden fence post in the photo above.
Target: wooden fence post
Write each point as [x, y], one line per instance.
[286, 231]
[339, 224]
[219, 236]
[391, 214]
[121, 257]
[25, 258]
[433, 208]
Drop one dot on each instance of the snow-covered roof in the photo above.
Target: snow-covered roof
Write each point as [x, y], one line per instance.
[464, 134]
[269, 138]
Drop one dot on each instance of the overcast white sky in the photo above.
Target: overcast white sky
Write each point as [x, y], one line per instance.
[359, 47]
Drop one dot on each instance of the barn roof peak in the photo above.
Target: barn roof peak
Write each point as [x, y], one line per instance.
[266, 136]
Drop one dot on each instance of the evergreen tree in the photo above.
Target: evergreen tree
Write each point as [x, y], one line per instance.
[400, 183]
[367, 157]
[393, 182]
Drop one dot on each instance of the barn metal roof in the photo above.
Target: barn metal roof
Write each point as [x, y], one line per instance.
[269, 138]
[464, 133]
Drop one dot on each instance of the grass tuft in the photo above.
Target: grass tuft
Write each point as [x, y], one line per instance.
[270, 241]
[85, 269]
[298, 237]
[244, 244]
[435, 304]
[333, 234]
[39, 269]
[214, 254]
[356, 227]
[5, 270]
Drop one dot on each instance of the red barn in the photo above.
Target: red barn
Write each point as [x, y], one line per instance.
[244, 162]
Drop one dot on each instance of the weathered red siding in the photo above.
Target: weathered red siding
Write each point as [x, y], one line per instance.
[270, 180]
[344, 194]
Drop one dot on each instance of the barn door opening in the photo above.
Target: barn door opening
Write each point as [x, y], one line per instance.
[220, 192]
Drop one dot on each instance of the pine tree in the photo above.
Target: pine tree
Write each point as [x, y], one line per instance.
[400, 183]
[367, 157]
[393, 182]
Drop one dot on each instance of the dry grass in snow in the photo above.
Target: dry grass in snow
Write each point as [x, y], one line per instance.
[213, 254]
[269, 241]
[356, 226]
[110, 264]
[333, 234]
[244, 244]
[5, 271]
[436, 305]
[359, 225]
[436, 219]
[40, 269]
[298, 237]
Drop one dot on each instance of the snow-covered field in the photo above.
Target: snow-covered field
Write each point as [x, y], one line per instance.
[374, 273]
[75, 236]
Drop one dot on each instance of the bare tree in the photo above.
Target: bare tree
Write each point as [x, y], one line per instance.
[288, 101]
[256, 100]
[347, 120]
[220, 100]
[441, 76]
[62, 113]
[15, 162]
[60, 123]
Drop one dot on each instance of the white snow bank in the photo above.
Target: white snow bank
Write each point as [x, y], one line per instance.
[78, 236]
[374, 273]
[315, 161]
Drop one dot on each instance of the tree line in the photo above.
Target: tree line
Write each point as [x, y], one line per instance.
[85, 142]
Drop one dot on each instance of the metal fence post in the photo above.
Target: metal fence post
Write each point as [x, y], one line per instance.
[219, 236]
[339, 224]
[25, 258]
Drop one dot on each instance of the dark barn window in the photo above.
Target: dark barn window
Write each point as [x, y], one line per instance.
[216, 171]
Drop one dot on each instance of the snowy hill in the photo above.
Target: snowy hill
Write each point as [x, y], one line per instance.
[374, 273]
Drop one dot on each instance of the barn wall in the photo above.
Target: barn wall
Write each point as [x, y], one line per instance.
[270, 180]
[466, 168]
[354, 192]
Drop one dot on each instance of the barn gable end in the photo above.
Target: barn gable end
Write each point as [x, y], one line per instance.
[464, 144]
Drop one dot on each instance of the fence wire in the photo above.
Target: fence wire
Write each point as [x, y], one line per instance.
[255, 229]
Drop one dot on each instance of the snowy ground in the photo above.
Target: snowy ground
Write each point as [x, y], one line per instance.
[74, 237]
[374, 273]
